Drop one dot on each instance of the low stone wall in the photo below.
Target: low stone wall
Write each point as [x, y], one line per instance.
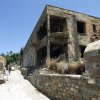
[24, 72]
[63, 87]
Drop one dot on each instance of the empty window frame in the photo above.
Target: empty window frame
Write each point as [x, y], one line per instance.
[56, 50]
[82, 49]
[42, 32]
[41, 55]
[81, 27]
[57, 24]
[94, 28]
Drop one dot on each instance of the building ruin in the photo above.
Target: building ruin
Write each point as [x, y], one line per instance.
[59, 34]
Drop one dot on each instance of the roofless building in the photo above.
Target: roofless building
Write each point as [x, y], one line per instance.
[59, 34]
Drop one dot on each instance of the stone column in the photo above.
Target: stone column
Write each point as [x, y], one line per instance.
[73, 47]
[35, 57]
[66, 40]
[48, 39]
[35, 51]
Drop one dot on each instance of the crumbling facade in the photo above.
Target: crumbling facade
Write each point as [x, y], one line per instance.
[2, 69]
[59, 34]
[2, 62]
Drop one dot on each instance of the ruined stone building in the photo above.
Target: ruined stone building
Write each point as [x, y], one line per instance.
[59, 34]
[2, 61]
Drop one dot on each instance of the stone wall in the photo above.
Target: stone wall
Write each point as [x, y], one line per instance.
[73, 87]
[63, 87]
[92, 56]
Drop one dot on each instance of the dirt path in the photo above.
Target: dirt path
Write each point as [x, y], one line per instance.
[17, 88]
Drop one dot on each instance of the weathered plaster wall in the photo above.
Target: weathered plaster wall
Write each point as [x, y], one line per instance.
[3, 61]
[89, 20]
[92, 56]
[62, 87]
[75, 39]
[28, 57]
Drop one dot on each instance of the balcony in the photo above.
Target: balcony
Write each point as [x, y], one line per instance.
[39, 43]
[60, 35]
[35, 43]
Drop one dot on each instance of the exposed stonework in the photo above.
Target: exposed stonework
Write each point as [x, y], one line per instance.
[95, 36]
[58, 31]
[73, 87]
[65, 34]
[63, 87]
[92, 56]
[2, 69]
[2, 61]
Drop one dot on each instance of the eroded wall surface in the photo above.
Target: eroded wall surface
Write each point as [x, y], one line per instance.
[74, 38]
[62, 87]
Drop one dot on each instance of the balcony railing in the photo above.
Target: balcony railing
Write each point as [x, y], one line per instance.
[62, 35]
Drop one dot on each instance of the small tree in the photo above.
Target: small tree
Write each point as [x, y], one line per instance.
[12, 57]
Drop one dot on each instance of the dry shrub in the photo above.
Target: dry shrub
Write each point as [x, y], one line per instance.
[72, 68]
[58, 66]
[76, 67]
[53, 65]
[64, 67]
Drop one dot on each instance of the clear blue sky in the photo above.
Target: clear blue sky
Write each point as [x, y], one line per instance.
[18, 18]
